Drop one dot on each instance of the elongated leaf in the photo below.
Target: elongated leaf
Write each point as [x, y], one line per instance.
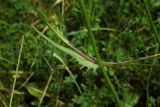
[68, 70]
[59, 34]
[80, 59]
[34, 91]
[54, 28]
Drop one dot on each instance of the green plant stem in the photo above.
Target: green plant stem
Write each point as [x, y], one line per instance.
[151, 22]
[86, 18]
[58, 90]
[48, 82]
[15, 76]
[149, 78]
[158, 40]
[69, 71]
[59, 35]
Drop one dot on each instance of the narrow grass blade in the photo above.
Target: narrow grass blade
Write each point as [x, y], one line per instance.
[53, 28]
[48, 82]
[93, 29]
[149, 78]
[151, 22]
[68, 70]
[15, 76]
[6, 60]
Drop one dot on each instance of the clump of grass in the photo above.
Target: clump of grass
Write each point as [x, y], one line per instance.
[77, 54]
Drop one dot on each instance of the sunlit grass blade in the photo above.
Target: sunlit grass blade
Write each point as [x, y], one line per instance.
[15, 76]
[93, 29]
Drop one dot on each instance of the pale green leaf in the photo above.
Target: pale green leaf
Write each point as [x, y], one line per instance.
[80, 59]
[34, 91]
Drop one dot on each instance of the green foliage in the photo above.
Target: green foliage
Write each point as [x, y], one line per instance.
[124, 36]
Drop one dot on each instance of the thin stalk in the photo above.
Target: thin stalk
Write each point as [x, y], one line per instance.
[151, 22]
[149, 78]
[6, 60]
[15, 76]
[158, 40]
[4, 103]
[69, 71]
[132, 60]
[93, 29]
[48, 82]
[58, 90]
[74, 80]
[25, 82]
[86, 18]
